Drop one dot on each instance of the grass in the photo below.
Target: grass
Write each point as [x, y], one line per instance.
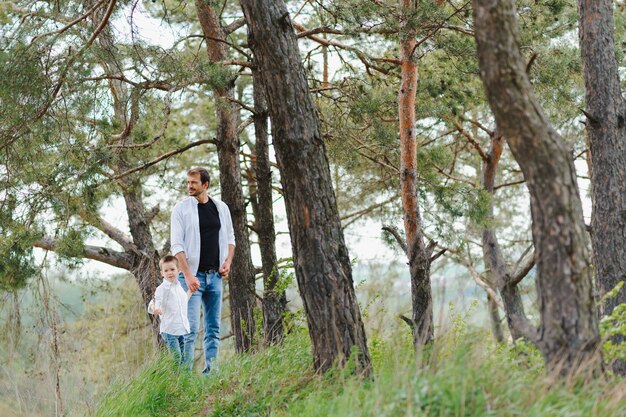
[462, 376]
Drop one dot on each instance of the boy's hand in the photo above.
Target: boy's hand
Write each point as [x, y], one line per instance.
[158, 311]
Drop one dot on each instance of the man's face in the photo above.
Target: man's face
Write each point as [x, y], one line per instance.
[169, 271]
[195, 186]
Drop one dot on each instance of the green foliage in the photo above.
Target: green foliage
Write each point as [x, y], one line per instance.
[613, 325]
[71, 244]
[285, 278]
[17, 264]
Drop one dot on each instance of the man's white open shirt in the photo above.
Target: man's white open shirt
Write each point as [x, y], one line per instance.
[172, 300]
[185, 231]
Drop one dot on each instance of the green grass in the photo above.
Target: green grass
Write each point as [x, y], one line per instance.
[462, 376]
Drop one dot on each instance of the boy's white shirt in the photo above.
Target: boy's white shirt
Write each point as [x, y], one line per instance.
[172, 300]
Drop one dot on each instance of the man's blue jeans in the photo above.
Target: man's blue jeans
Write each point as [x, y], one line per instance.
[176, 346]
[210, 296]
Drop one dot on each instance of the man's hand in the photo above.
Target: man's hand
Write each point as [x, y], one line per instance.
[158, 311]
[225, 269]
[192, 282]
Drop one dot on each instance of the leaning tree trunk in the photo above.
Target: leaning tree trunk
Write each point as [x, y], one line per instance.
[144, 256]
[418, 254]
[274, 297]
[321, 259]
[241, 288]
[144, 259]
[606, 131]
[568, 337]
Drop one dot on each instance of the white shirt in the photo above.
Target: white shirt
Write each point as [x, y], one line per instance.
[172, 300]
[185, 231]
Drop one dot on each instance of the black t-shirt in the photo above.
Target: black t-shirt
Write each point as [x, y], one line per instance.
[209, 236]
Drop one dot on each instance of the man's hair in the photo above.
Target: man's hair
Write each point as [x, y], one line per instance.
[168, 258]
[204, 174]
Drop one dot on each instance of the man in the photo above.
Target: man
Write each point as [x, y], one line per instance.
[203, 241]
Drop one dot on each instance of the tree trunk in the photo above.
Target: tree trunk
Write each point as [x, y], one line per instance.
[241, 282]
[274, 300]
[606, 131]
[517, 321]
[418, 254]
[144, 257]
[494, 319]
[140, 250]
[568, 337]
[321, 259]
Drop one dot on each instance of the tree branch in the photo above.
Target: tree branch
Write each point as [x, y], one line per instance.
[366, 210]
[233, 26]
[97, 253]
[508, 184]
[396, 234]
[162, 157]
[523, 271]
[71, 59]
[130, 125]
[471, 140]
[453, 177]
[438, 255]
[151, 214]
[108, 229]
[70, 24]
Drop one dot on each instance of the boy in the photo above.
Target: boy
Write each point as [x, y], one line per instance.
[170, 302]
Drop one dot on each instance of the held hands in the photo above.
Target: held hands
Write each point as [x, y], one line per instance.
[192, 282]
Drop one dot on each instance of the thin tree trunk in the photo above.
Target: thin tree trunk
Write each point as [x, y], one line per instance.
[606, 133]
[274, 299]
[418, 254]
[494, 319]
[241, 288]
[568, 337]
[321, 258]
[492, 253]
[50, 316]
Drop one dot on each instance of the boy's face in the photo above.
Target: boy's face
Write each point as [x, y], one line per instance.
[169, 270]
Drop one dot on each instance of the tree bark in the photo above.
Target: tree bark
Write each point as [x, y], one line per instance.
[494, 319]
[568, 336]
[241, 282]
[274, 299]
[518, 323]
[144, 258]
[418, 254]
[606, 133]
[321, 259]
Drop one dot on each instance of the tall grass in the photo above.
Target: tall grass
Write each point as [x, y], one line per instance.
[463, 374]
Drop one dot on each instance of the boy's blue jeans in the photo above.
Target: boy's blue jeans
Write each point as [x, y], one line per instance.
[209, 295]
[176, 346]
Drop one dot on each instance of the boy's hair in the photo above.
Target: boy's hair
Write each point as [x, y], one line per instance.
[204, 174]
[168, 258]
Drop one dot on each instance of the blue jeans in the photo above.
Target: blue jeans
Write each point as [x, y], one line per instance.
[176, 346]
[210, 296]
